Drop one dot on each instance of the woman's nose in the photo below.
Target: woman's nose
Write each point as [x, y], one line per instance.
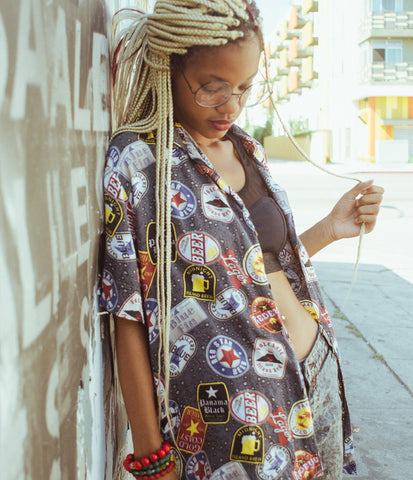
[233, 105]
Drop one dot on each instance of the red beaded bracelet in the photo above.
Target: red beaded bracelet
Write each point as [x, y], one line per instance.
[157, 475]
[155, 465]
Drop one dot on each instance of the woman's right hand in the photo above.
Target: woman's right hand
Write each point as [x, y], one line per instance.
[136, 380]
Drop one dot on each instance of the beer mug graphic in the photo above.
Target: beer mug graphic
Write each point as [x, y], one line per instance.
[250, 445]
[199, 283]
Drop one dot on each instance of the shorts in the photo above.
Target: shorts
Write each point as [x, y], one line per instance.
[320, 371]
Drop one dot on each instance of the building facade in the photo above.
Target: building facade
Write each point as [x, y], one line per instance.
[343, 75]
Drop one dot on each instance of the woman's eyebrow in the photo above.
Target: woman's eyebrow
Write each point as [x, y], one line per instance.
[217, 77]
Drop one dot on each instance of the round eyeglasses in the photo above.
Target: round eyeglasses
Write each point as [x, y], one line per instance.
[218, 92]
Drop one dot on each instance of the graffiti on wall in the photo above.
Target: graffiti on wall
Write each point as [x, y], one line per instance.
[54, 117]
[59, 410]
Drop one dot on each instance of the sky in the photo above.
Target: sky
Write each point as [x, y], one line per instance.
[273, 13]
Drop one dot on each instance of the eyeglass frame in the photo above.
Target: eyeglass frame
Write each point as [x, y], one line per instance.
[218, 81]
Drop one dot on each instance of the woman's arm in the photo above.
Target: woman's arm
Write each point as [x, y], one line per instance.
[135, 376]
[359, 205]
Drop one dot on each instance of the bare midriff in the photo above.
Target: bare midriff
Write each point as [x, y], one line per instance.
[302, 328]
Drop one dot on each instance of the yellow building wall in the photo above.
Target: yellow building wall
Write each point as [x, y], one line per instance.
[283, 148]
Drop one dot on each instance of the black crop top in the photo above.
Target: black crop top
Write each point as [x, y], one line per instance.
[265, 213]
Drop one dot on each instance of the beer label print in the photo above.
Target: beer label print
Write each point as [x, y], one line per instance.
[248, 445]
[213, 402]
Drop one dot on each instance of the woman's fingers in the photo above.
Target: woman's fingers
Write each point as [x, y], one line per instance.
[371, 209]
[368, 205]
[359, 189]
[373, 195]
[370, 199]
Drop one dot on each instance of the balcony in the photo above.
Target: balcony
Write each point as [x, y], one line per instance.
[389, 24]
[309, 6]
[397, 73]
[296, 52]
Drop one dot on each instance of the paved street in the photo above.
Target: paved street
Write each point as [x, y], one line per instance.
[374, 325]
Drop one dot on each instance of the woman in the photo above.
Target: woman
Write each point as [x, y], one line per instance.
[224, 345]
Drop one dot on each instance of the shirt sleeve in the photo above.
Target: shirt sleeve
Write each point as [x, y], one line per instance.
[121, 290]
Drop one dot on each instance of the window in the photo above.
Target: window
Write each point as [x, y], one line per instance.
[383, 6]
[387, 52]
[379, 55]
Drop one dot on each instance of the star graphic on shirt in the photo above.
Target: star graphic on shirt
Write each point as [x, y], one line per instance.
[177, 199]
[200, 471]
[229, 356]
[107, 290]
[193, 428]
[211, 392]
[149, 320]
[264, 307]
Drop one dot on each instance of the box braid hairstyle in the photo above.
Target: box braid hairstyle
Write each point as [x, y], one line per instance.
[143, 56]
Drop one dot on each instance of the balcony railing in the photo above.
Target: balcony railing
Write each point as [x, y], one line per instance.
[381, 72]
[376, 24]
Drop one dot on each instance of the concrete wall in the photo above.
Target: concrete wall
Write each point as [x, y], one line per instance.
[316, 145]
[58, 399]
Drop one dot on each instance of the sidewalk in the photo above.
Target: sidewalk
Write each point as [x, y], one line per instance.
[375, 334]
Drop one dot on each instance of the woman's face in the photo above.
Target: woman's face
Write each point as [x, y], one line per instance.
[237, 64]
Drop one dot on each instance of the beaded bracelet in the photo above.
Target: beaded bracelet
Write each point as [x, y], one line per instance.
[154, 466]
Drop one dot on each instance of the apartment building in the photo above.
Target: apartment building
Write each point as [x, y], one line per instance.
[343, 75]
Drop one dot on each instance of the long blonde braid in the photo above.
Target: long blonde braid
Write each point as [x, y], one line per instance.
[142, 102]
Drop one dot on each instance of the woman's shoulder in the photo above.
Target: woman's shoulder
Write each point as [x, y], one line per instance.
[132, 139]
[130, 153]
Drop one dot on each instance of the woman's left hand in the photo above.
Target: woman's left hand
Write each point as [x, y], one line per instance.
[359, 205]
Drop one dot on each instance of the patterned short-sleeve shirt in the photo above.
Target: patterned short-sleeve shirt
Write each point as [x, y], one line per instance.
[238, 401]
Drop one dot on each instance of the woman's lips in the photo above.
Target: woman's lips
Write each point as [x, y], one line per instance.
[221, 125]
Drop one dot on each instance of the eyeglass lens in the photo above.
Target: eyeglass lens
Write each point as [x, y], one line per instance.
[214, 94]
